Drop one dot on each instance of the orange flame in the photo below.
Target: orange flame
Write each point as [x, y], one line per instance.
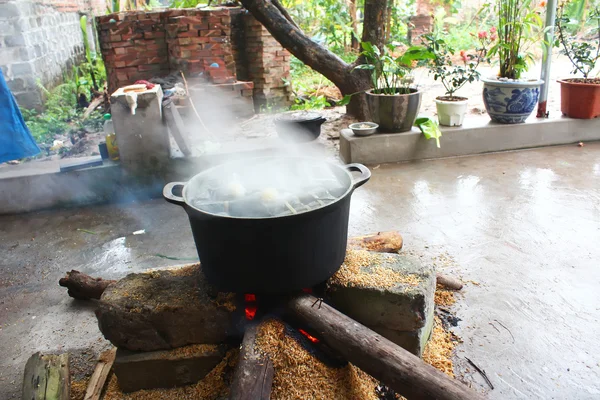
[308, 336]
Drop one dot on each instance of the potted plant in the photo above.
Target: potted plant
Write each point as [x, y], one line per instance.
[580, 97]
[393, 103]
[451, 109]
[509, 98]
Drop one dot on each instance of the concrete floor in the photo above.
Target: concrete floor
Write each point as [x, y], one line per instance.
[523, 226]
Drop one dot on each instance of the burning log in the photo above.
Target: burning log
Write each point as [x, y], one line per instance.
[254, 372]
[405, 373]
[381, 242]
[84, 287]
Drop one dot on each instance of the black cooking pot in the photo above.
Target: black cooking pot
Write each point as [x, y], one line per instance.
[299, 126]
[272, 254]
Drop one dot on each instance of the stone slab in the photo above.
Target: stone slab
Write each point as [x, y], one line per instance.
[165, 368]
[164, 309]
[402, 313]
[477, 135]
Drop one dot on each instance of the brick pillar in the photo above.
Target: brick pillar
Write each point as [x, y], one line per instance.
[268, 66]
[133, 47]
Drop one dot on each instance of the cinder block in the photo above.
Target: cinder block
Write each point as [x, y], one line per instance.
[165, 368]
[402, 313]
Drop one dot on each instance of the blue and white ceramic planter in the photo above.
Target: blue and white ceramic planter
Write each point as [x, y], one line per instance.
[510, 102]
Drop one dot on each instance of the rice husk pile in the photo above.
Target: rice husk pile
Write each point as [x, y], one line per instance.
[361, 268]
[78, 389]
[299, 375]
[438, 351]
[213, 386]
[444, 297]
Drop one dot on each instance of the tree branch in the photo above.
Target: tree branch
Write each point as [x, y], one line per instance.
[293, 39]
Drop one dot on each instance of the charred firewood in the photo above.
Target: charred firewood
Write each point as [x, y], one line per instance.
[84, 287]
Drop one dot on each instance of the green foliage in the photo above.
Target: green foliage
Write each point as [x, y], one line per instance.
[583, 54]
[389, 73]
[312, 103]
[452, 76]
[520, 27]
[61, 114]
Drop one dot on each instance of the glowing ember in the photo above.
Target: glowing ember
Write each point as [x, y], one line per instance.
[308, 336]
[250, 312]
[250, 309]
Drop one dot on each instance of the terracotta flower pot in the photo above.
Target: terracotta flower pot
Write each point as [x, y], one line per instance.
[394, 112]
[579, 100]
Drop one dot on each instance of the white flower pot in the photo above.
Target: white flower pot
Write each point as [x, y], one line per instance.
[451, 113]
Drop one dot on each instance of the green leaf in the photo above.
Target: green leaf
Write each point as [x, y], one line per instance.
[430, 129]
[345, 100]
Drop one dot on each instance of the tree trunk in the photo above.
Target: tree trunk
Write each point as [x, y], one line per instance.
[354, 24]
[388, 26]
[319, 58]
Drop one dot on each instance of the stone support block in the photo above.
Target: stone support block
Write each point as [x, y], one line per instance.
[402, 313]
[165, 368]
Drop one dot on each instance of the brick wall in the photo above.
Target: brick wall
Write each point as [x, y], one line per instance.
[221, 44]
[40, 39]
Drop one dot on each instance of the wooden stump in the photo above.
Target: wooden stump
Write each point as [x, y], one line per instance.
[47, 378]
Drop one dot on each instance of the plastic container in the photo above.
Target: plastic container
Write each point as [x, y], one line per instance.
[111, 138]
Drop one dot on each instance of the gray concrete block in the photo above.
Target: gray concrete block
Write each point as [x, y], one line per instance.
[15, 40]
[22, 69]
[165, 369]
[9, 10]
[477, 135]
[143, 139]
[403, 313]
[32, 99]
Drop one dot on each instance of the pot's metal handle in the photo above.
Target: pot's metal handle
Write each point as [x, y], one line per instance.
[365, 174]
[321, 120]
[170, 197]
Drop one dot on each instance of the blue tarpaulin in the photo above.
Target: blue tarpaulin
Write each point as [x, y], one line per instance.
[15, 139]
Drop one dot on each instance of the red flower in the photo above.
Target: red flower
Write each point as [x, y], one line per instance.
[482, 35]
[493, 29]
[493, 37]
[542, 3]
[463, 55]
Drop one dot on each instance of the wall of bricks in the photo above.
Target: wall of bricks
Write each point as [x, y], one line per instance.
[218, 44]
[40, 39]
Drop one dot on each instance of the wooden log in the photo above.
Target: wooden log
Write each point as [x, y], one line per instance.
[448, 282]
[381, 242]
[407, 374]
[98, 379]
[82, 286]
[47, 378]
[253, 376]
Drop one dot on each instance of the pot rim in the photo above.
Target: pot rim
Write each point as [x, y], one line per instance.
[414, 91]
[567, 81]
[461, 101]
[348, 191]
[527, 83]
